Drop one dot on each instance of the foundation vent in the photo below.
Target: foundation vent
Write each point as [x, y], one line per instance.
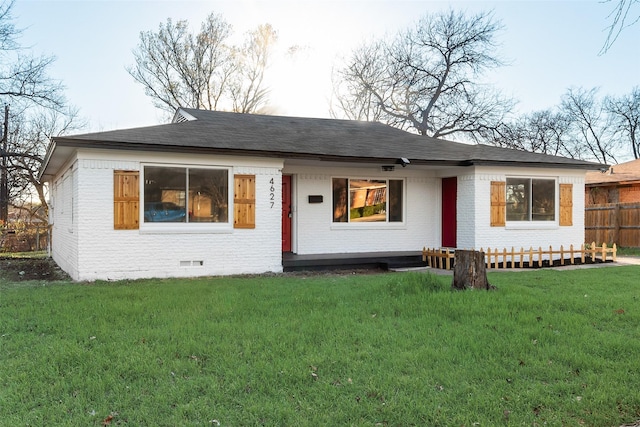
[197, 263]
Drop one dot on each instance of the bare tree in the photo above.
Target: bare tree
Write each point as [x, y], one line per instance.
[26, 85]
[180, 69]
[625, 116]
[427, 78]
[353, 102]
[247, 89]
[590, 125]
[29, 135]
[544, 131]
[23, 76]
[621, 17]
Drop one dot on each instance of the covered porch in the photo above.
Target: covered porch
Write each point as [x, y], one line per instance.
[347, 261]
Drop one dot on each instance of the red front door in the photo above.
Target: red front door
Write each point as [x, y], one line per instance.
[449, 197]
[286, 213]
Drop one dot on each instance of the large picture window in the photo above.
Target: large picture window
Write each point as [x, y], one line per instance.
[530, 199]
[367, 200]
[185, 194]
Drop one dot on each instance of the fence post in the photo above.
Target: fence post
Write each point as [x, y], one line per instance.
[571, 253]
[504, 258]
[521, 256]
[539, 256]
[604, 251]
[616, 224]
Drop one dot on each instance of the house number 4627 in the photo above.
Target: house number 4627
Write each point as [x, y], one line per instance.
[272, 193]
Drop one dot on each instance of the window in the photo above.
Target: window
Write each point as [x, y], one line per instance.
[367, 200]
[529, 199]
[185, 194]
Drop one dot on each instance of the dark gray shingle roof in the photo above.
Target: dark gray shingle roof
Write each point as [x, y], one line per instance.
[297, 137]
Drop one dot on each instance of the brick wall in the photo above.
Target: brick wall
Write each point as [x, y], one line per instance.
[87, 247]
[64, 233]
[475, 231]
[178, 251]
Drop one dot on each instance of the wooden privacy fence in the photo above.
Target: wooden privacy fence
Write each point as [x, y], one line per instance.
[613, 222]
[444, 258]
[24, 238]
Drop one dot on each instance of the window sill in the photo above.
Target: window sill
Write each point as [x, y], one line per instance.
[186, 229]
[369, 226]
[532, 225]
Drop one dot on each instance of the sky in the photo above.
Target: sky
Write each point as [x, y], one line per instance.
[549, 46]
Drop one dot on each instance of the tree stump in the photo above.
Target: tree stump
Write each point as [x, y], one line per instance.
[470, 272]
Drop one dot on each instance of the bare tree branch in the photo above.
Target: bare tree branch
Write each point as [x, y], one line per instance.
[625, 116]
[247, 90]
[590, 124]
[30, 132]
[427, 78]
[33, 95]
[621, 18]
[181, 69]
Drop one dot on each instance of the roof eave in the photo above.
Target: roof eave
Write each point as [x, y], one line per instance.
[111, 145]
[46, 160]
[557, 165]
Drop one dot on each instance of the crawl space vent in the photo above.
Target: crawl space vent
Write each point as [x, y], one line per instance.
[191, 263]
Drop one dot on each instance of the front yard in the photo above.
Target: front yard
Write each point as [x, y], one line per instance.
[547, 347]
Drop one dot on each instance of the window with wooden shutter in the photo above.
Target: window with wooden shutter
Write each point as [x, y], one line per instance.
[126, 199]
[498, 204]
[244, 201]
[566, 204]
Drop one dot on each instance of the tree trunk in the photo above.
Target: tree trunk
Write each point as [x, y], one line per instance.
[470, 272]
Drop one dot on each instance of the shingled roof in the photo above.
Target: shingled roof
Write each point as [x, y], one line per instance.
[205, 131]
[622, 173]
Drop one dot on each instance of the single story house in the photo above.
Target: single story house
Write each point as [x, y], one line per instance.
[616, 184]
[218, 193]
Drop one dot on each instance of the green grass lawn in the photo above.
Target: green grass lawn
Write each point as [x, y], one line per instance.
[548, 347]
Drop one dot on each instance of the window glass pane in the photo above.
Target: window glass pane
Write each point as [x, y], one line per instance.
[340, 200]
[531, 199]
[518, 199]
[395, 200]
[208, 195]
[368, 200]
[164, 194]
[543, 198]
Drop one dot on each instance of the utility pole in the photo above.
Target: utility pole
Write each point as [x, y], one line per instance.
[4, 186]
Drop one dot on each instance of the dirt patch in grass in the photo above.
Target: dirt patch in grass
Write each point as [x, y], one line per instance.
[22, 269]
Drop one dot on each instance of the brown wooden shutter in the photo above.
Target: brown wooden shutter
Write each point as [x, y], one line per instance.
[126, 199]
[498, 203]
[244, 201]
[566, 204]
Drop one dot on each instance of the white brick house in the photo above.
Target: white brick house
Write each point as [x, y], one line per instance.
[222, 193]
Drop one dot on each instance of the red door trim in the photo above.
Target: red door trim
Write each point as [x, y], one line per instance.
[286, 213]
[449, 211]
